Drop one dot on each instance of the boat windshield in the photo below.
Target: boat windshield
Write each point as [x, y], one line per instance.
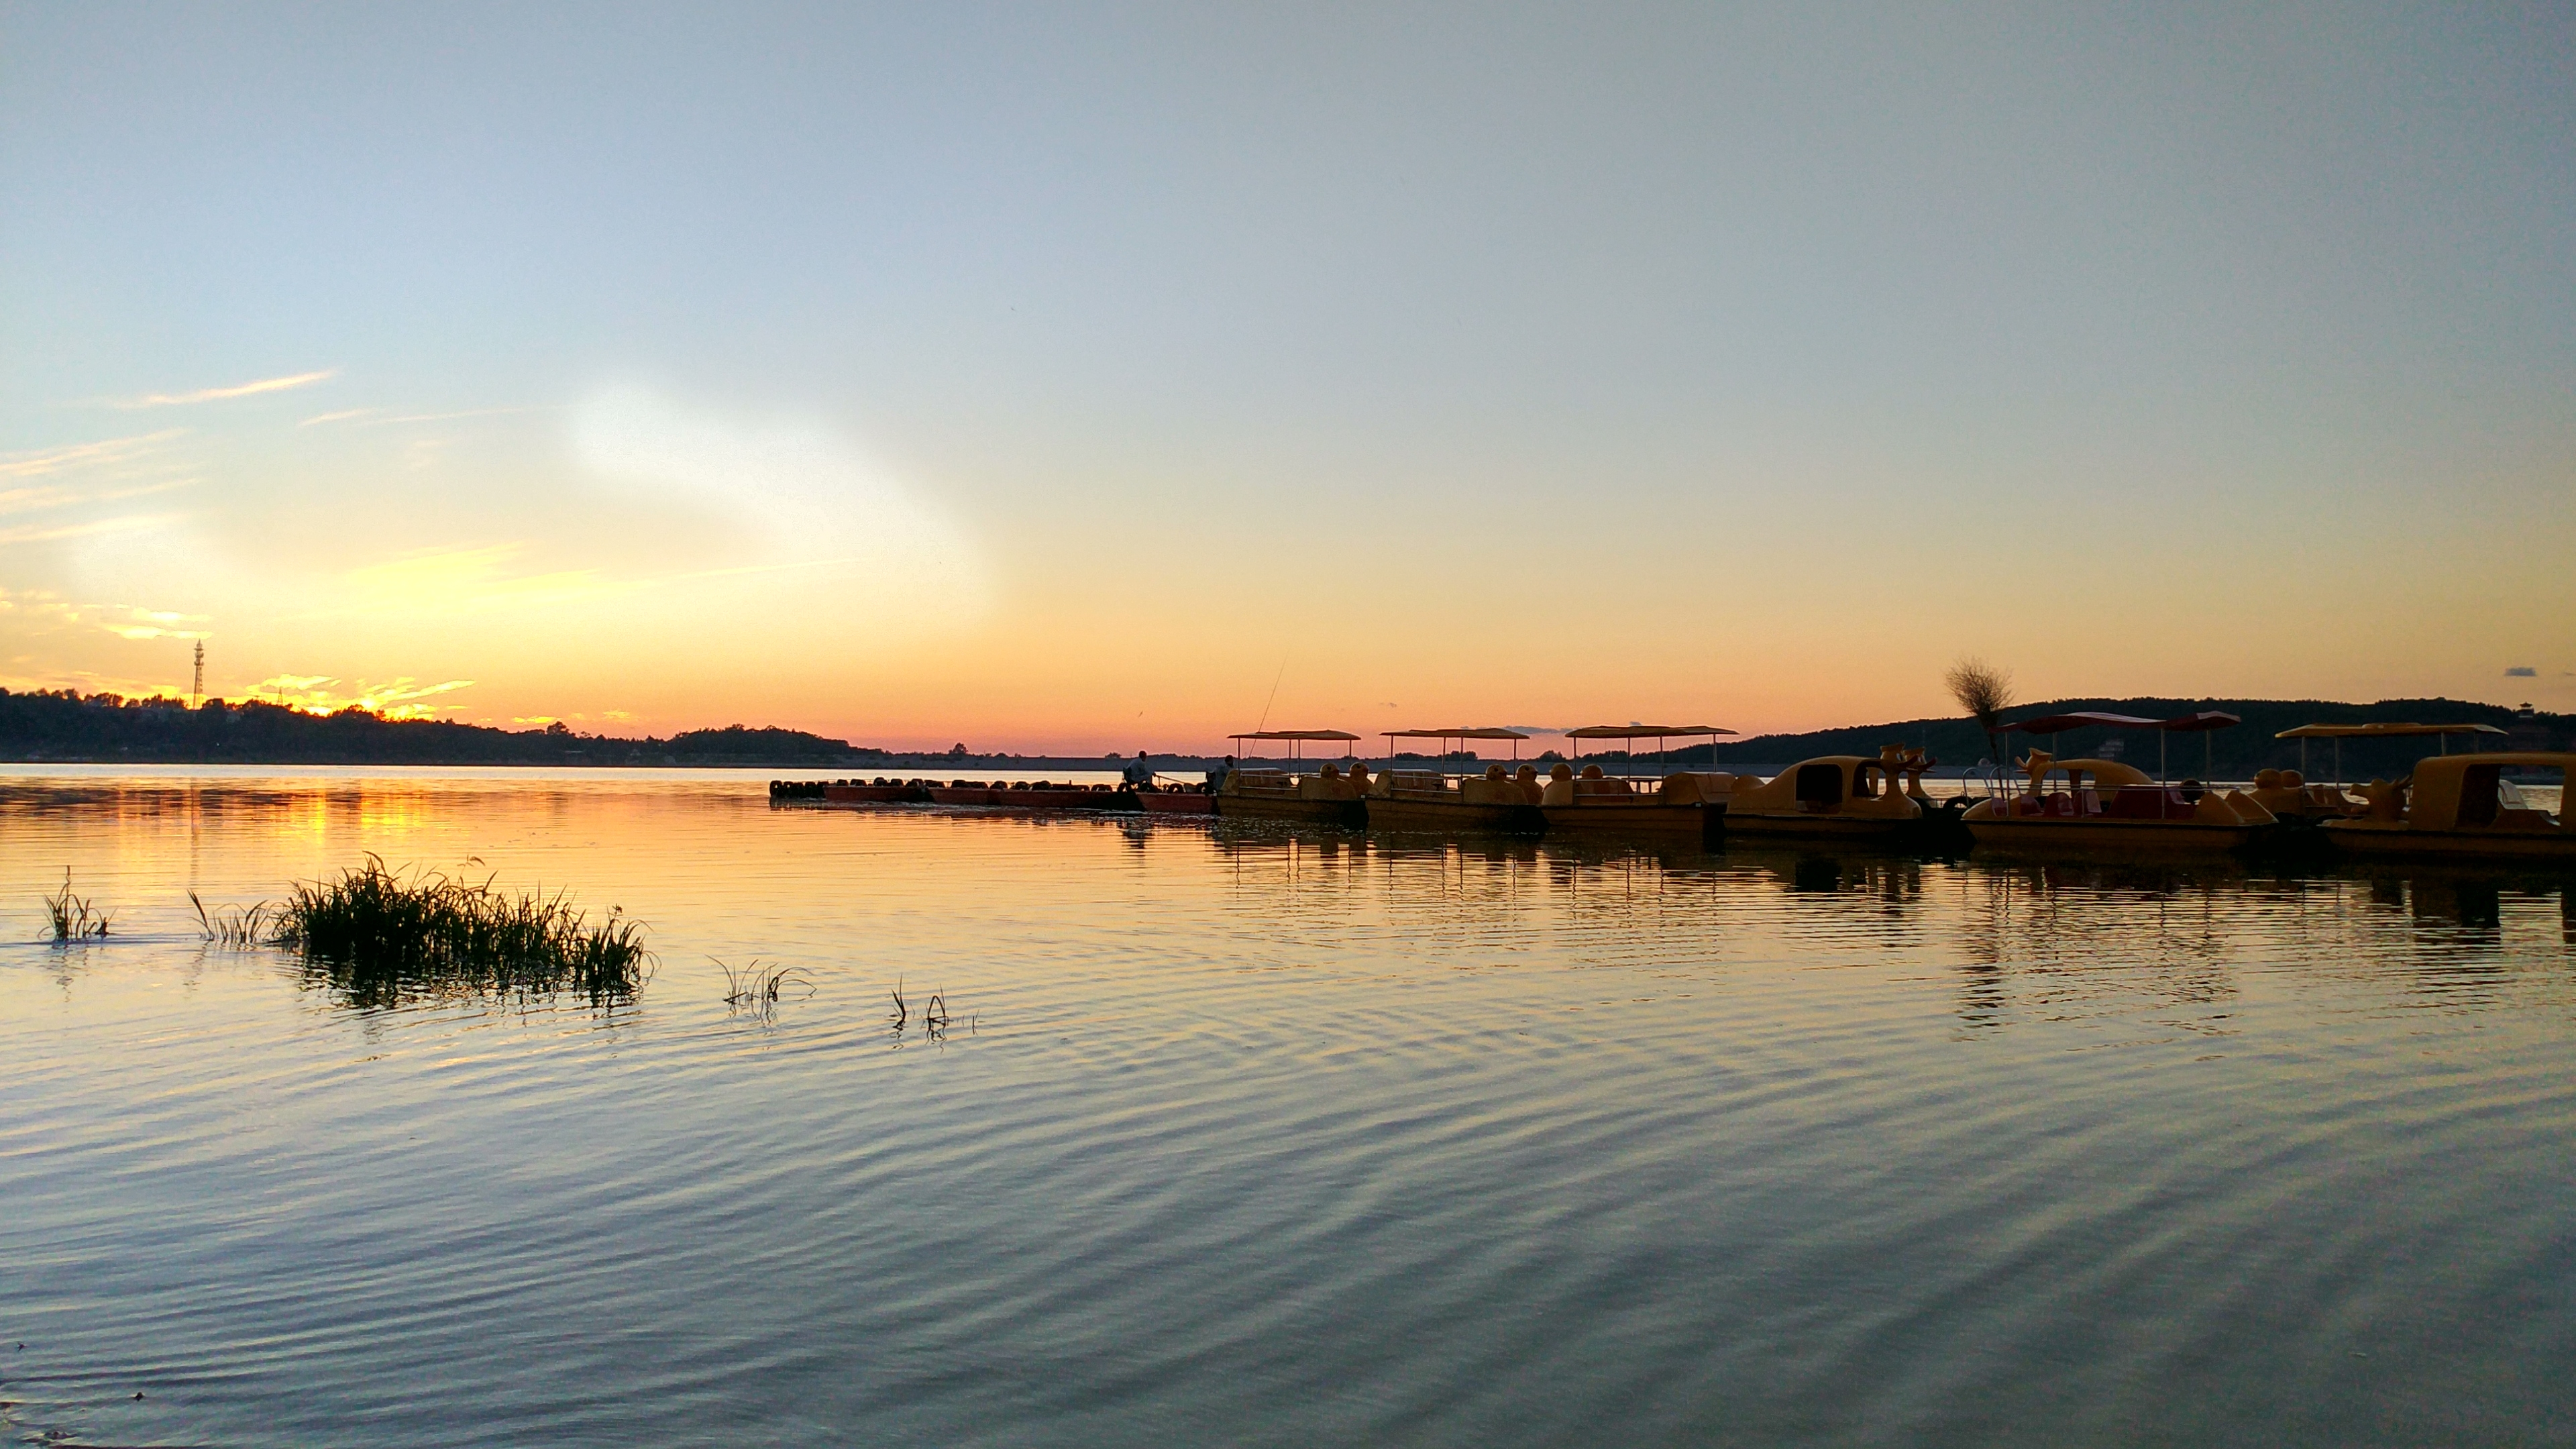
[2491, 799]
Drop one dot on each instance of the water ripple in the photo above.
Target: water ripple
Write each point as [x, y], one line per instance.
[1277, 1136]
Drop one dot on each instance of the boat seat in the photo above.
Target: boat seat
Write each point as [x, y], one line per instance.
[1263, 782]
[1595, 788]
[2147, 802]
[1681, 788]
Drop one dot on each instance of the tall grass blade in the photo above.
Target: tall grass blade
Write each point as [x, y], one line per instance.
[71, 917]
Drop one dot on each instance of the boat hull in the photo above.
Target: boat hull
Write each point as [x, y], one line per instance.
[1176, 802]
[1350, 814]
[1692, 822]
[2113, 837]
[2554, 847]
[1452, 816]
[1065, 801]
[964, 795]
[1818, 826]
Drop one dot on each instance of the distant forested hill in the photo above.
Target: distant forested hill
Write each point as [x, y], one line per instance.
[2233, 753]
[63, 726]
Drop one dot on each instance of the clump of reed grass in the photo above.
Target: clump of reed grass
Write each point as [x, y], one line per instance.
[382, 937]
[239, 927]
[751, 989]
[72, 917]
[935, 1017]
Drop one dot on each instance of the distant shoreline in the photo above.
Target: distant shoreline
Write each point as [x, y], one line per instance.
[103, 730]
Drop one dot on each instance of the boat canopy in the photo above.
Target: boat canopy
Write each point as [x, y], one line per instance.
[2382, 729]
[1643, 731]
[2057, 724]
[1459, 734]
[1342, 735]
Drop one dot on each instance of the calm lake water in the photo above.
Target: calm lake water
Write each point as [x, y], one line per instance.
[1260, 1136]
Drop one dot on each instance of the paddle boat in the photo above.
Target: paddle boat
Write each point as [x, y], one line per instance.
[2097, 804]
[1846, 797]
[2290, 796]
[2441, 734]
[1579, 797]
[1498, 800]
[2105, 805]
[2467, 806]
[2295, 798]
[1328, 797]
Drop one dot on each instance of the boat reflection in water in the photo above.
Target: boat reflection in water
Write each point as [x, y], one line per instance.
[1355, 1137]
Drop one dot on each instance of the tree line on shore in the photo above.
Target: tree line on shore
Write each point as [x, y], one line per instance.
[63, 726]
[60, 725]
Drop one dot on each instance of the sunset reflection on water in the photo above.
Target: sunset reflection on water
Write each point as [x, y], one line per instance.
[1355, 1137]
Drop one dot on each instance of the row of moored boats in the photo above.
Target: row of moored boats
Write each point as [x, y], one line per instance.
[2466, 804]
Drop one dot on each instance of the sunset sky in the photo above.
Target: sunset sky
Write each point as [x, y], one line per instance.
[1060, 377]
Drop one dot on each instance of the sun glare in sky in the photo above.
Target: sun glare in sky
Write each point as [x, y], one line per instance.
[1059, 379]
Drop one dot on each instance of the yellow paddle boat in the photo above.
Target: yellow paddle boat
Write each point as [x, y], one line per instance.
[2105, 805]
[1497, 800]
[2463, 806]
[1850, 797]
[1579, 797]
[1330, 796]
[2319, 802]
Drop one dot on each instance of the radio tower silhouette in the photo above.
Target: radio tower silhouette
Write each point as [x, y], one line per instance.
[197, 688]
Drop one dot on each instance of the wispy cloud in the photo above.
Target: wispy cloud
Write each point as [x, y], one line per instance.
[221, 394]
[145, 490]
[38, 604]
[805, 498]
[28, 500]
[395, 699]
[2522, 671]
[450, 417]
[42, 461]
[464, 577]
[132, 523]
[141, 624]
[126, 621]
[378, 418]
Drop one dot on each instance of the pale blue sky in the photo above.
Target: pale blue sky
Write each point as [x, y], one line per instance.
[1584, 302]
